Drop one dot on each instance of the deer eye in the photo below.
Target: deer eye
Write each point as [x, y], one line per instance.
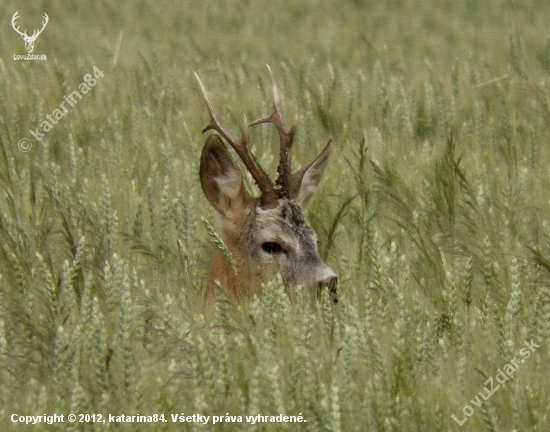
[272, 248]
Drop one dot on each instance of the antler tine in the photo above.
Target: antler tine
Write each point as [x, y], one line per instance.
[45, 22]
[215, 121]
[240, 145]
[286, 137]
[14, 18]
[36, 32]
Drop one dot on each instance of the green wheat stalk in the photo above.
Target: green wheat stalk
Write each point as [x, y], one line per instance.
[216, 239]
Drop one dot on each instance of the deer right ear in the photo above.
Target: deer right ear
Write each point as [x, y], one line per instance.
[221, 179]
[304, 182]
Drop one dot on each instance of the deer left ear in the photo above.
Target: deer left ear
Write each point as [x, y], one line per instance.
[304, 182]
[221, 179]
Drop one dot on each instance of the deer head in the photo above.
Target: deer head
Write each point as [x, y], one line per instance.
[29, 40]
[267, 234]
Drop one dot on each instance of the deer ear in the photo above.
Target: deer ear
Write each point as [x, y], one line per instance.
[304, 182]
[221, 179]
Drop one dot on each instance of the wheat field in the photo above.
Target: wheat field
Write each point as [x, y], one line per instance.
[434, 212]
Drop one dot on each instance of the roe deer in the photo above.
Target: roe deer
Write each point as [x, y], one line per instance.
[267, 234]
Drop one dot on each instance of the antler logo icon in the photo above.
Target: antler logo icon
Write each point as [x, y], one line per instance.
[29, 40]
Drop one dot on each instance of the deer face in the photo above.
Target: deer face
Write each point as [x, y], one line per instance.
[29, 43]
[284, 243]
[266, 234]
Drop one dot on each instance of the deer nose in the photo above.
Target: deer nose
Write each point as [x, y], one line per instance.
[331, 283]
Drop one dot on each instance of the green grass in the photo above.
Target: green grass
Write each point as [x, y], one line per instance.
[434, 212]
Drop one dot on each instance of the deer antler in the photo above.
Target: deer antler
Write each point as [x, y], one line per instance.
[240, 145]
[14, 18]
[286, 137]
[35, 32]
[44, 23]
